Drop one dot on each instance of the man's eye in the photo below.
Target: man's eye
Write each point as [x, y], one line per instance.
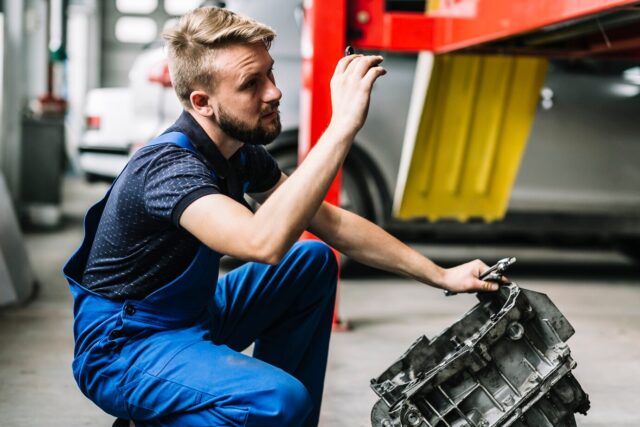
[248, 85]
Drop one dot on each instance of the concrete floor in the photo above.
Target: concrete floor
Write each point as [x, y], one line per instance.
[387, 314]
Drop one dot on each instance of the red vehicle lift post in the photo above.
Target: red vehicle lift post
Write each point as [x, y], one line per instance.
[323, 41]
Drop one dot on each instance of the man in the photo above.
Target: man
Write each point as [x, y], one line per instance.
[158, 341]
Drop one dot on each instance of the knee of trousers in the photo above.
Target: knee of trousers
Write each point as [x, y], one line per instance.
[286, 403]
[318, 256]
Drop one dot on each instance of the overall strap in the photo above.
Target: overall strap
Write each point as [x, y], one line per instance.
[176, 138]
[74, 268]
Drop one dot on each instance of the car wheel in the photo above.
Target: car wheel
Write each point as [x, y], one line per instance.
[354, 195]
[630, 247]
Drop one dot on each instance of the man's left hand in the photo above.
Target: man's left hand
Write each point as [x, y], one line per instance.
[464, 278]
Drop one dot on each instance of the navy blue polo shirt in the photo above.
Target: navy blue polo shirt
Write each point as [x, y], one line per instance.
[139, 245]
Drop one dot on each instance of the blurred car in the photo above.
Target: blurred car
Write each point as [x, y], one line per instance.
[585, 132]
[106, 142]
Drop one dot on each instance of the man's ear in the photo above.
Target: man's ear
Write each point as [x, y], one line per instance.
[200, 103]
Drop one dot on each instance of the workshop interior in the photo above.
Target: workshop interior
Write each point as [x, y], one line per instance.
[503, 130]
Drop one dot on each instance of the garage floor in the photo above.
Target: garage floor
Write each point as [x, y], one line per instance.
[599, 292]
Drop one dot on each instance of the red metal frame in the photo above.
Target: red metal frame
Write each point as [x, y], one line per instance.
[322, 47]
[462, 23]
[496, 19]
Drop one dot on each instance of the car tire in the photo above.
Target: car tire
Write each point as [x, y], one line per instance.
[630, 247]
[354, 194]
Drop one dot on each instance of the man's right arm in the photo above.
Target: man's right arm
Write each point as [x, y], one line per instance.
[229, 228]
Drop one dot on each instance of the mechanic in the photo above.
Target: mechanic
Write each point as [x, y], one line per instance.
[158, 335]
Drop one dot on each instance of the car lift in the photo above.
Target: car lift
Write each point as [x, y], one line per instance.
[544, 28]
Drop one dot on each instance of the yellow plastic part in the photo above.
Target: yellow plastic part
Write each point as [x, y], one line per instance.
[433, 5]
[471, 137]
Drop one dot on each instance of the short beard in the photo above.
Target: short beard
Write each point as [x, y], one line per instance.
[243, 132]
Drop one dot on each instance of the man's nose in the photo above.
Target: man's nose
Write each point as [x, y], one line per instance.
[272, 93]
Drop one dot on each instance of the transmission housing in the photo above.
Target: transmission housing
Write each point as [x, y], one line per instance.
[505, 363]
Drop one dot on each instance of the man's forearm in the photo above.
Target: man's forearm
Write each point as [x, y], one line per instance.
[289, 210]
[369, 244]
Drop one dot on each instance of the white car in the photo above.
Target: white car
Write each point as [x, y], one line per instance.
[106, 141]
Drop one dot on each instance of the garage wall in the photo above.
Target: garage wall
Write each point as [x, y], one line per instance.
[24, 74]
[13, 83]
[35, 48]
[117, 56]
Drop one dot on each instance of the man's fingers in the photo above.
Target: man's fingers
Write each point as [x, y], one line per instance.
[487, 286]
[365, 67]
[373, 74]
[344, 62]
[363, 64]
[357, 64]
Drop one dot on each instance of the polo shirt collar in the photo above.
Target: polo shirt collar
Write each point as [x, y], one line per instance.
[226, 171]
[201, 141]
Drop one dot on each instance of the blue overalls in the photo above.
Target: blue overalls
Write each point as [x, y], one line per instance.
[172, 358]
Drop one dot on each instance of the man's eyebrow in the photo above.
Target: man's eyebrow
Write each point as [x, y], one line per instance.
[245, 77]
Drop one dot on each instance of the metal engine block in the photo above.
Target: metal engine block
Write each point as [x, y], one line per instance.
[505, 363]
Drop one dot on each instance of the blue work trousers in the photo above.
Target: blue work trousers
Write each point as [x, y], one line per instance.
[153, 362]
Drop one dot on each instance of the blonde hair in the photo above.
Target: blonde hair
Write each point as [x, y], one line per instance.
[193, 42]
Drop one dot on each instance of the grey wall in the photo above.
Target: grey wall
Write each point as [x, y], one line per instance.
[13, 92]
[117, 57]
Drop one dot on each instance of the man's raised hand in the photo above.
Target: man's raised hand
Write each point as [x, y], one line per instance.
[351, 86]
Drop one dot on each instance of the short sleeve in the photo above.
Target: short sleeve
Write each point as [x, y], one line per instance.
[261, 168]
[175, 179]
